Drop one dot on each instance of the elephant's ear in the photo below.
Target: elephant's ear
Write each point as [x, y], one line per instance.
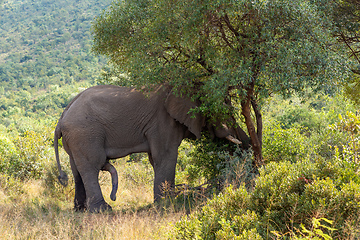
[179, 107]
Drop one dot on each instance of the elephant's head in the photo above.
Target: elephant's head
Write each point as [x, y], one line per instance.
[180, 108]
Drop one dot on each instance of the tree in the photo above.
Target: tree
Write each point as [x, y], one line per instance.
[240, 51]
[346, 16]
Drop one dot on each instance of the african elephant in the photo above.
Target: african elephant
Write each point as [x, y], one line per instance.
[108, 122]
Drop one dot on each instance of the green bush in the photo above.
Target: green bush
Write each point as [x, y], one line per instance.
[307, 118]
[349, 125]
[11, 186]
[286, 196]
[216, 163]
[205, 159]
[224, 217]
[7, 147]
[281, 144]
[315, 232]
[237, 168]
[25, 155]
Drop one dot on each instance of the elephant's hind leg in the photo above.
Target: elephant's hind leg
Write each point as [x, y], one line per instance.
[80, 193]
[89, 168]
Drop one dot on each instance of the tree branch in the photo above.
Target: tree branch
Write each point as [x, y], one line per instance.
[203, 63]
[226, 19]
[348, 45]
[224, 37]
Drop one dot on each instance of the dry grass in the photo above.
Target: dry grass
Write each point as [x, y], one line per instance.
[46, 222]
[26, 222]
[28, 211]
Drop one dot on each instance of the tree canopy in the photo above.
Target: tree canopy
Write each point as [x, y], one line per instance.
[346, 16]
[229, 51]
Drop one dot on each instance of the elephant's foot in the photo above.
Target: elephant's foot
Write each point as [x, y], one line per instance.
[99, 207]
[79, 207]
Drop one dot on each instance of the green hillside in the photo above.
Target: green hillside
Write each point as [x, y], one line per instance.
[45, 53]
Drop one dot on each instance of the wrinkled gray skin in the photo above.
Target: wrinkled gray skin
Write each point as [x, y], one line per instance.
[109, 122]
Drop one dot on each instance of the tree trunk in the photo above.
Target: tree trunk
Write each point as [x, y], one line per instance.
[255, 135]
[250, 101]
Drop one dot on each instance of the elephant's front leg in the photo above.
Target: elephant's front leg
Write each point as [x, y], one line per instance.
[164, 168]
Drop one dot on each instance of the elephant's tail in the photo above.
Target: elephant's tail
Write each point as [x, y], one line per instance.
[63, 178]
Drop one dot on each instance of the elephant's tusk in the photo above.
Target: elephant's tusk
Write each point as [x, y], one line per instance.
[233, 140]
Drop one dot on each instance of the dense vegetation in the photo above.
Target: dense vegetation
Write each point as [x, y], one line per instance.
[45, 52]
[44, 43]
[309, 186]
[311, 176]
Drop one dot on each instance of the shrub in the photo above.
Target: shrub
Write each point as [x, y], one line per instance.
[224, 217]
[315, 232]
[286, 196]
[350, 125]
[238, 168]
[7, 151]
[215, 162]
[7, 147]
[281, 144]
[205, 159]
[308, 119]
[26, 155]
[10, 186]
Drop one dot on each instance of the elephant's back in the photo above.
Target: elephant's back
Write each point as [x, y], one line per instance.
[100, 97]
[114, 94]
[108, 103]
[111, 97]
[107, 114]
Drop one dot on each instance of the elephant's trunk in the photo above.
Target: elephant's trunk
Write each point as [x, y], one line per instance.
[114, 179]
